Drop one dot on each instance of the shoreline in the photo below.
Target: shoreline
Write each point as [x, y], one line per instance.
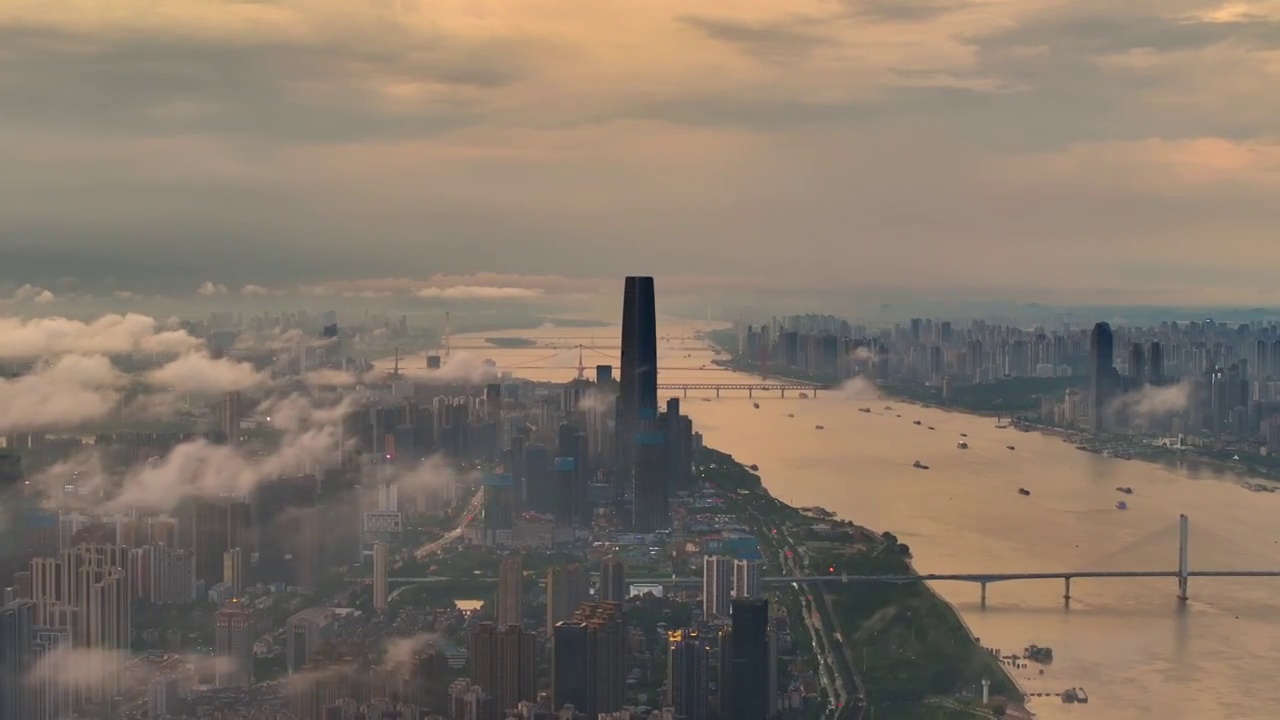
[1015, 707]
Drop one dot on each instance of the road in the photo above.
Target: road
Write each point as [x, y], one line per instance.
[845, 705]
[472, 510]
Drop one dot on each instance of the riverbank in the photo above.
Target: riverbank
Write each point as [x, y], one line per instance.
[905, 648]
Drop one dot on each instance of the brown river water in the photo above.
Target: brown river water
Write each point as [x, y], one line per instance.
[1136, 650]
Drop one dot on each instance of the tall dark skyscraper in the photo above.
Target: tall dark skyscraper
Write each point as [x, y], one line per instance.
[639, 381]
[1101, 373]
[613, 582]
[688, 674]
[749, 670]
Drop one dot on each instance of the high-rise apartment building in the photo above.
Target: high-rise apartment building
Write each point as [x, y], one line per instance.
[567, 589]
[510, 591]
[233, 566]
[571, 662]
[17, 623]
[381, 563]
[606, 638]
[504, 663]
[688, 675]
[717, 586]
[235, 631]
[613, 580]
[746, 579]
[232, 412]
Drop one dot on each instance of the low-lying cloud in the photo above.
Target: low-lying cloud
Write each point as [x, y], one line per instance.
[462, 367]
[1151, 403]
[72, 391]
[474, 292]
[199, 374]
[22, 339]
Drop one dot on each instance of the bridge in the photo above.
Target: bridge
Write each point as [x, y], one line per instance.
[750, 388]
[1183, 574]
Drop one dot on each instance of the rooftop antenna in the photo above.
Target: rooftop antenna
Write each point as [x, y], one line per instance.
[582, 368]
[395, 370]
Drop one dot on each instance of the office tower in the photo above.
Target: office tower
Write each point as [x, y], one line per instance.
[567, 589]
[235, 631]
[607, 651]
[717, 586]
[638, 381]
[650, 510]
[233, 562]
[504, 663]
[749, 669]
[305, 633]
[565, 475]
[12, 547]
[17, 621]
[613, 580]
[1155, 364]
[538, 487]
[679, 443]
[510, 591]
[571, 664]
[688, 674]
[499, 502]
[231, 414]
[381, 560]
[1137, 365]
[746, 579]
[723, 641]
[604, 374]
[1101, 370]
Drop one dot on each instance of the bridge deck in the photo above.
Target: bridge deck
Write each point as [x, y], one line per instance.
[960, 577]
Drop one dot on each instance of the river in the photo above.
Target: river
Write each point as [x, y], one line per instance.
[1128, 642]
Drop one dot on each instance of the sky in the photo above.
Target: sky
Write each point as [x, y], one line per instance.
[1059, 151]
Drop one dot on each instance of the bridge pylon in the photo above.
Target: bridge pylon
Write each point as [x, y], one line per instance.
[1184, 569]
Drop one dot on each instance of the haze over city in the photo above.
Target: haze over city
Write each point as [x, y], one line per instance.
[704, 360]
[1078, 152]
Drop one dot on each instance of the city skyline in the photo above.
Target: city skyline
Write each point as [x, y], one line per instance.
[1068, 149]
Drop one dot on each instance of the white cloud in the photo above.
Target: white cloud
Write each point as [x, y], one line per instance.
[73, 390]
[255, 291]
[471, 292]
[208, 288]
[111, 334]
[200, 374]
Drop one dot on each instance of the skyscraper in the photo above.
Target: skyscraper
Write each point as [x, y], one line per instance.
[381, 560]
[571, 666]
[613, 580]
[504, 663]
[607, 652]
[510, 591]
[717, 584]
[231, 414]
[638, 374]
[688, 674]
[746, 579]
[1101, 372]
[235, 632]
[749, 669]
[566, 591]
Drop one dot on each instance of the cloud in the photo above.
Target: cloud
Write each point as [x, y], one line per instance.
[296, 412]
[1151, 402]
[465, 292]
[208, 288]
[362, 135]
[462, 367]
[433, 473]
[73, 390]
[401, 652]
[255, 291]
[81, 669]
[202, 469]
[858, 388]
[109, 335]
[200, 374]
[32, 294]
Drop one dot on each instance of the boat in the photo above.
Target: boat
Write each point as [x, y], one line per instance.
[804, 396]
[916, 422]
[1023, 491]
[888, 407]
[1035, 653]
[1069, 696]
[865, 410]
[919, 465]
[791, 414]
[1001, 427]
[753, 467]
[755, 405]
[1125, 490]
[962, 445]
[1122, 505]
[818, 427]
[1082, 697]
[1010, 447]
[931, 427]
[964, 434]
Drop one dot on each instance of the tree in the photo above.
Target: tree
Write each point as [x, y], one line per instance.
[998, 711]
